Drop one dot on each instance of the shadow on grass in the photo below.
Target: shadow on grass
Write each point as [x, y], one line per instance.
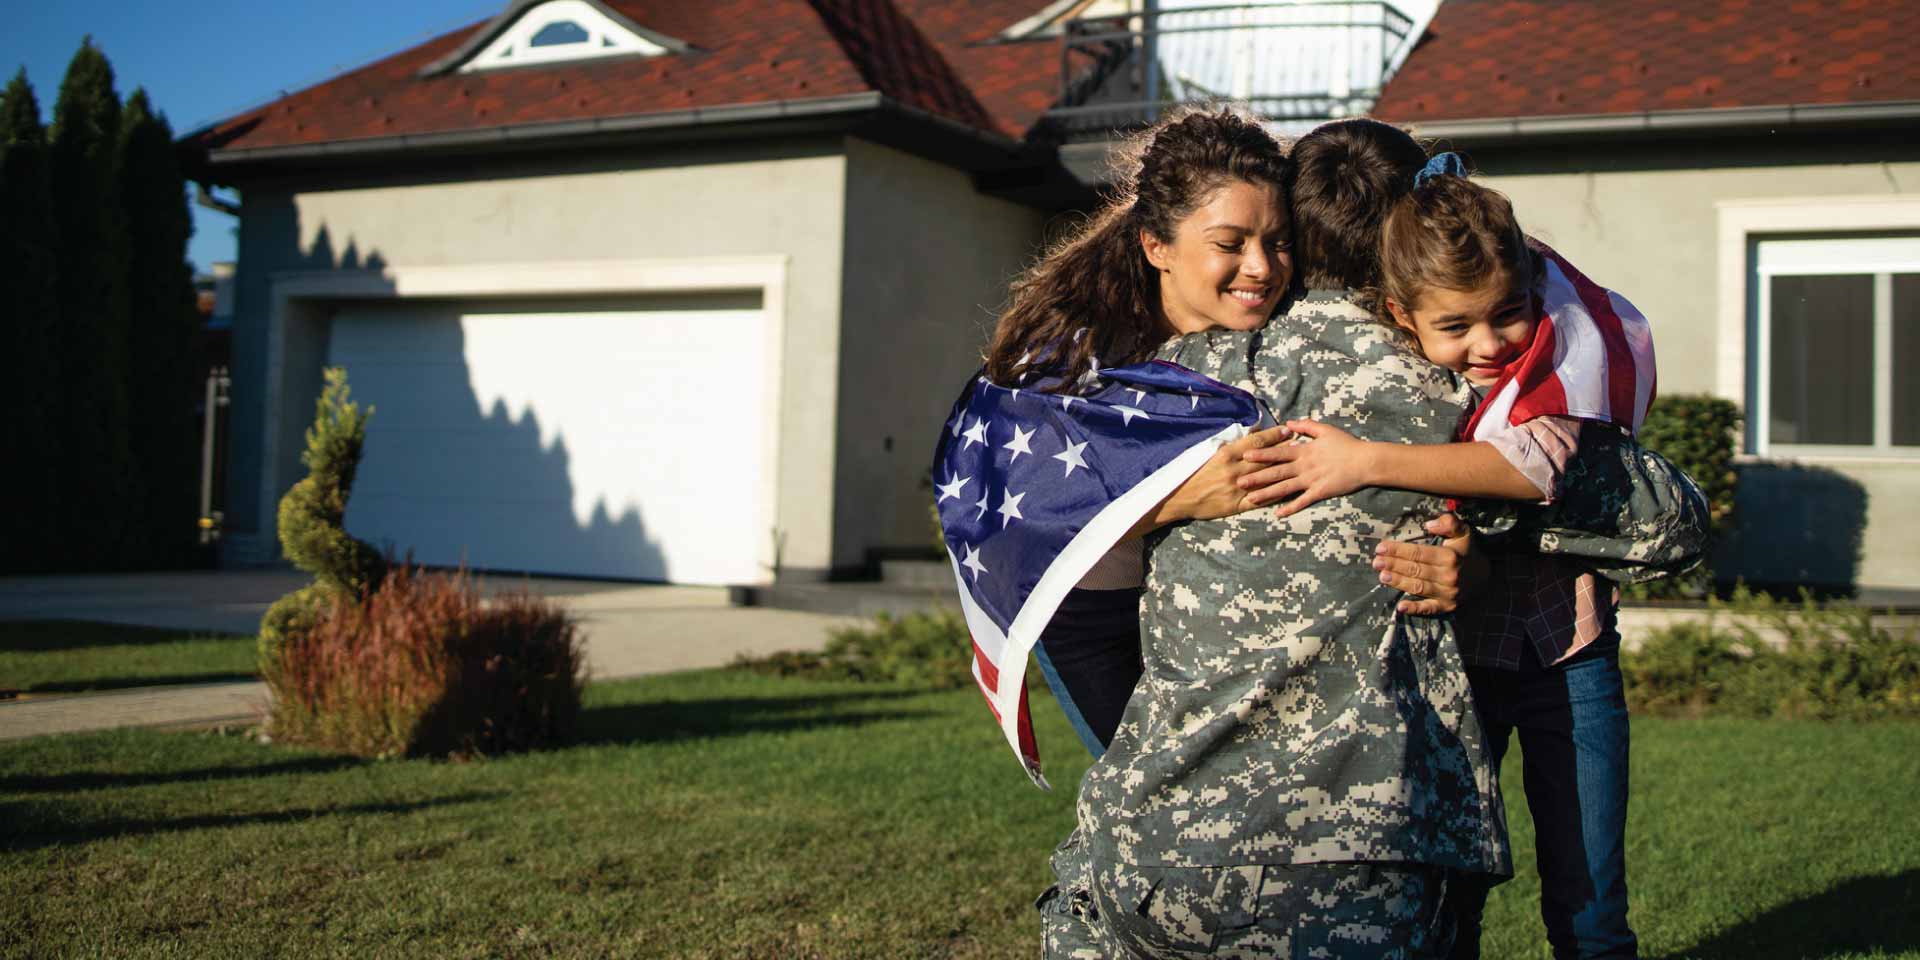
[675, 720]
[51, 636]
[33, 826]
[1863, 915]
[63, 782]
[98, 684]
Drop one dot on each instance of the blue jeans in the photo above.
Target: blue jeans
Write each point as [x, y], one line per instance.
[1572, 721]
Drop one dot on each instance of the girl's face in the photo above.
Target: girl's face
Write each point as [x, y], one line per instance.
[1228, 262]
[1475, 332]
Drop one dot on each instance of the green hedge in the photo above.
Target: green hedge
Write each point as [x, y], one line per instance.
[1804, 659]
[1697, 432]
[924, 649]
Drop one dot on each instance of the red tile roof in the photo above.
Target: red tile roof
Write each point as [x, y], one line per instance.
[925, 54]
[1514, 58]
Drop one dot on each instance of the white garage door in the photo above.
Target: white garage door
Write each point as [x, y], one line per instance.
[600, 439]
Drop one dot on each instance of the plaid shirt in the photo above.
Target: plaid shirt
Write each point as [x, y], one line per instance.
[1552, 602]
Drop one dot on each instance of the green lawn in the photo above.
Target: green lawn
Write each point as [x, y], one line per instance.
[719, 814]
[58, 656]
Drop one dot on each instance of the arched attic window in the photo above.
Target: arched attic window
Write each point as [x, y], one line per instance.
[558, 31]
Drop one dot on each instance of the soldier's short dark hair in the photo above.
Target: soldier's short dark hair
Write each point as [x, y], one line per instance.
[1347, 175]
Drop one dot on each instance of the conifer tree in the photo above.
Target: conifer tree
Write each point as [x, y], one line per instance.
[29, 376]
[99, 485]
[312, 524]
[163, 333]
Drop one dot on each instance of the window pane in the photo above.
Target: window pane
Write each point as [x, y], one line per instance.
[1906, 359]
[557, 33]
[1822, 365]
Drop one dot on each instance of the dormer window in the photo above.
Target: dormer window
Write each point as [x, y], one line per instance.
[560, 33]
[562, 30]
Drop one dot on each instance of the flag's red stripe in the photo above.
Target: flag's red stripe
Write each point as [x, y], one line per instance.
[1029, 747]
[1538, 388]
[1620, 367]
[989, 674]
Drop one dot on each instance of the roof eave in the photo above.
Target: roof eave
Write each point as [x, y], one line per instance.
[1766, 119]
[868, 114]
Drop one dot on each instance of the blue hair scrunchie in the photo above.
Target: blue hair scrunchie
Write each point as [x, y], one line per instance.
[1442, 164]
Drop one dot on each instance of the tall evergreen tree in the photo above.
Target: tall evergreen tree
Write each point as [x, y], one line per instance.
[29, 377]
[99, 482]
[162, 338]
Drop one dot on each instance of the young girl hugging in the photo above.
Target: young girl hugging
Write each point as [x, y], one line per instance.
[1558, 362]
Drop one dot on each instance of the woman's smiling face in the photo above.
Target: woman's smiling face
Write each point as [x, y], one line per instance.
[1228, 262]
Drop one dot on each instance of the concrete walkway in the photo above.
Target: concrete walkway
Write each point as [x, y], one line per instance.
[630, 630]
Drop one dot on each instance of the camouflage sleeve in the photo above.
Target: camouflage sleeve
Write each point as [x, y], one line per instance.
[1627, 512]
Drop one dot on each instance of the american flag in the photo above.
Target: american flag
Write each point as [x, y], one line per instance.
[1591, 358]
[1034, 487]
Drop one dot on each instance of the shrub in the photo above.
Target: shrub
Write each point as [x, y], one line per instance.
[1696, 432]
[423, 666]
[312, 532]
[924, 649]
[1803, 660]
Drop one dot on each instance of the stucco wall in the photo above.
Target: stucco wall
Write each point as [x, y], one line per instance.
[758, 199]
[928, 259]
[1646, 224]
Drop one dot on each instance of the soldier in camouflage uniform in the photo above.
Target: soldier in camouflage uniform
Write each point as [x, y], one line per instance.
[1300, 771]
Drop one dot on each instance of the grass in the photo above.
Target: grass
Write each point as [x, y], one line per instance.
[724, 814]
[57, 656]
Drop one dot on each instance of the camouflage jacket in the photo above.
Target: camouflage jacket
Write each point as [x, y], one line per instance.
[1286, 713]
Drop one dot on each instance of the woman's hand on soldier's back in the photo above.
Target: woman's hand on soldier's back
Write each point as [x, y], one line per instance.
[1214, 490]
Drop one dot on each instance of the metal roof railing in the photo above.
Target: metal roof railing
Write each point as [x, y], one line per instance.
[1290, 62]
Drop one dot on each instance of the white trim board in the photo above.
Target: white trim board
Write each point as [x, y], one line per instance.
[303, 298]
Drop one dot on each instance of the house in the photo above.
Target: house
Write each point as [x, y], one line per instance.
[679, 291]
[640, 289]
[1748, 173]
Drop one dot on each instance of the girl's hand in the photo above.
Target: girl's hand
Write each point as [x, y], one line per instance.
[1334, 464]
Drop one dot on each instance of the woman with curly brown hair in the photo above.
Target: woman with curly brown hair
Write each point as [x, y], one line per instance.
[1195, 236]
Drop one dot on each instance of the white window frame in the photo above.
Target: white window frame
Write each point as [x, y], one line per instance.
[1744, 289]
[513, 47]
[1878, 258]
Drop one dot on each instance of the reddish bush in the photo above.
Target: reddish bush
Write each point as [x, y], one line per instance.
[425, 666]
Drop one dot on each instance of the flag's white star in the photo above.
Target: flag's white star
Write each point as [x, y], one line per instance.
[972, 562]
[955, 482]
[953, 426]
[976, 433]
[1067, 400]
[1010, 508]
[1128, 413]
[1019, 443]
[1071, 457]
[1138, 394]
[1193, 400]
[980, 509]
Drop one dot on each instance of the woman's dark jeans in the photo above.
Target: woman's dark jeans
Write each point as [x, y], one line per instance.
[1572, 721]
[1090, 655]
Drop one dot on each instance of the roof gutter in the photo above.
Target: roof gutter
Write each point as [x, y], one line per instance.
[853, 110]
[1670, 122]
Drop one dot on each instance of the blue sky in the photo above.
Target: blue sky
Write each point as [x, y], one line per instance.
[209, 59]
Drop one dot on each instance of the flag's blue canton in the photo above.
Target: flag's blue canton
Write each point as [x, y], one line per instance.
[1019, 471]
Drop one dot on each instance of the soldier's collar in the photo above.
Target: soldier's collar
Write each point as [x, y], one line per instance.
[1326, 294]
